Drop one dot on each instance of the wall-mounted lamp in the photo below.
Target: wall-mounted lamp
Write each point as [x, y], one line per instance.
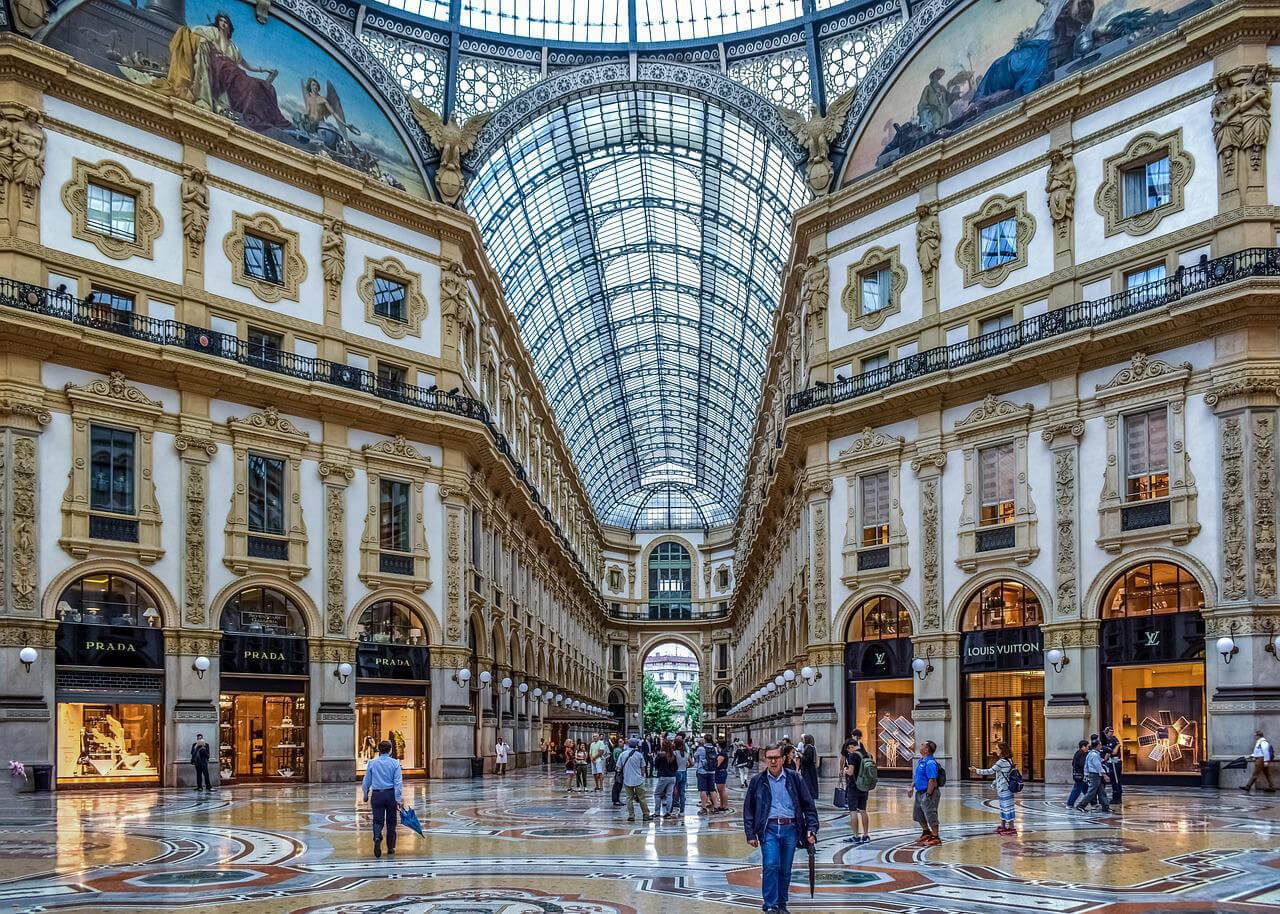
[789, 676]
[200, 666]
[922, 665]
[524, 687]
[485, 677]
[462, 677]
[1057, 659]
[771, 687]
[343, 672]
[810, 675]
[779, 681]
[1273, 647]
[28, 656]
[506, 683]
[537, 694]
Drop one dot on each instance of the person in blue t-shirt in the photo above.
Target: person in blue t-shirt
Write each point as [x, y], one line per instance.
[925, 786]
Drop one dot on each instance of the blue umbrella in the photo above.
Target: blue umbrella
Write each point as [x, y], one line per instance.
[409, 819]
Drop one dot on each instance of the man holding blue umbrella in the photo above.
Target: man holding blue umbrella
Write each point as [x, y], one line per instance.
[383, 777]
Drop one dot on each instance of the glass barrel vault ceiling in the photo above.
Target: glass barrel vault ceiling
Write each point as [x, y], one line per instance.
[640, 235]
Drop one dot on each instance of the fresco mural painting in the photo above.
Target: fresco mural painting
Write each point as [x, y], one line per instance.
[994, 52]
[268, 77]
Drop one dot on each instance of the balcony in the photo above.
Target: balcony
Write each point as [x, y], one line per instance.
[106, 527]
[668, 614]
[1209, 274]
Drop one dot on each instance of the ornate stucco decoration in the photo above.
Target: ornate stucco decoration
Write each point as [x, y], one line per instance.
[1109, 200]
[996, 423]
[271, 435]
[1234, 581]
[453, 141]
[195, 211]
[1064, 556]
[195, 451]
[1264, 505]
[930, 555]
[928, 241]
[23, 154]
[874, 258]
[453, 575]
[454, 300]
[992, 409]
[1254, 388]
[23, 412]
[335, 577]
[395, 460]
[815, 291]
[265, 225]
[147, 222]
[333, 257]
[1060, 188]
[873, 453]
[816, 134]
[995, 208]
[1143, 368]
[415, 303]
[23, 548]
[1241, 120]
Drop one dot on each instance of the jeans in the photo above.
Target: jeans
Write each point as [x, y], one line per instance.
[581, 772]
[385, 817]
[1094, 793]
[636, 795]
[202, 776]
[682, 781]
[777, 850]
[617, 790]
[664, 796]
[1077, 791]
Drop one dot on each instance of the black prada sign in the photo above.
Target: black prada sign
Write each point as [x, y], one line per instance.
[264, 655]
[1165, 638]
[392, 661]
[888, 659]
[85, 644]
[1002, 649]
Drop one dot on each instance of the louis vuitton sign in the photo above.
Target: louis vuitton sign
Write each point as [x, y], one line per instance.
[1002, 649]
[887, 659]
[1159, 638]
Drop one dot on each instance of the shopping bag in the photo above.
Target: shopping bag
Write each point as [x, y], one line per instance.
[841, 799]
[409, 819]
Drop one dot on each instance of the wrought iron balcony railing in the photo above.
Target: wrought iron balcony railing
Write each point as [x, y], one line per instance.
[1207, 274]
[100, 316]
[668, 614]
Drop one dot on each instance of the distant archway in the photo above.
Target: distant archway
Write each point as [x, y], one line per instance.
[673, 667]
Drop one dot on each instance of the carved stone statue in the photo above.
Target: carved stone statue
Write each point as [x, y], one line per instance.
[333, 254]
[453, 141]
[6, 159]
[195, 209]
[453, 294]
[261, 10]
[1227, 125]
[814, 295]
[28, 155]
[928, 240]
[816, 133]
[1255, 115]
[1060, 185]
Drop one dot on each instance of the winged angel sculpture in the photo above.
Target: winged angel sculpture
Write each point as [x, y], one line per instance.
[452, 140]
[816, 133]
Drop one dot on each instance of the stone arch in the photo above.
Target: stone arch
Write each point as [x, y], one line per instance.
[481, 630]
[531, 666]
[642, 568]
[515, 657]
[167, 606]
[315, 626]
[1105, 577]
[963, 595]
[435, 634]
[844, 616]
[498, 645]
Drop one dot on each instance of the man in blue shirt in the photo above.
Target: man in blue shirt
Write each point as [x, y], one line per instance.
[385, 780]
[776, 806]
[925, 785]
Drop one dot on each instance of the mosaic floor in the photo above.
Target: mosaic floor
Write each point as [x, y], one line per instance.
[522, 846]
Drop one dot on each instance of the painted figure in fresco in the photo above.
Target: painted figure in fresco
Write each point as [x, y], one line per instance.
[322, 115]
[1047, 45]
[934, 110]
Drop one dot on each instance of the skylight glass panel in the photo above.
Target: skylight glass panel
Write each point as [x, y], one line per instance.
[552, 20]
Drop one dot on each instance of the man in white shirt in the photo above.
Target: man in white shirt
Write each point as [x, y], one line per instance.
[1262, 758]
[500, 757]
[596, 753]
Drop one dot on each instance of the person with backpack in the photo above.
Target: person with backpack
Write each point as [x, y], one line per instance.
[927, 783]
[617, 775]
[631, 765]
[1095, 776]
[1008, 781]
[705, 761]
[682, 776]
[1077, 773]
[861, 775]
[741, 762]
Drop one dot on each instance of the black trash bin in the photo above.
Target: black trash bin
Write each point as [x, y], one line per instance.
[41, 778]
[477, 767]
[1210, 773]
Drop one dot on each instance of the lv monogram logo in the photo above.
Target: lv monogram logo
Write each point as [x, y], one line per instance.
[1153, 638]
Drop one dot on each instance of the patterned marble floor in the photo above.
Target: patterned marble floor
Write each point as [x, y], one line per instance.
[520, 845]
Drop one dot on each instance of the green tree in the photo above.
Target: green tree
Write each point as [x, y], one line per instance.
[693, 709]
[659, 716]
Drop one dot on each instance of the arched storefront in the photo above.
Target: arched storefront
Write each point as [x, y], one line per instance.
[880, 691]
[262, 708]
[1002, 676]
[1151, 656]
[393, 682]
[109, 682]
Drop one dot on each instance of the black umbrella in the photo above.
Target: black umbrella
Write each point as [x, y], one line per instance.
[812, 855]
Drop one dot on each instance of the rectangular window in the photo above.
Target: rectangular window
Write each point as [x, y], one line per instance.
[877, 290]
[1147, 187]
[998, 243]
[111, 306]
[263, 258]
[875, 508]
[111, 212]
[995, 323]
[1139, 278]
[995, 483]
[615, 657]
[111, 469]
[265, 346]
[722, 658]
[1146, 454]
[390, 377]
[393, 512]
[388, 298]
[266, 494]
[874, 362]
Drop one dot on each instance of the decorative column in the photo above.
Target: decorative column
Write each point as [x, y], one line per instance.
[820, 699]
[453, 733]
[331, 744]
[26, 701]
[1244, 695]
[933, 712]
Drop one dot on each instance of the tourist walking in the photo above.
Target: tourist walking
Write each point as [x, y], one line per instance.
[778, 815]
[551, 755]
[1095, 776]
[741, 763]
[1077, 773]
[570, 764]
[383, 785]
[682, 774]
[1113, 758]
[1262, 757]
[200, 762]
[664, 763]
[616, 791]
[580, 761]
[926, 784]
[722, 776]
[861, 775]
[809, 763]
[631, 764]
[598, 750]
[500, 752]
[705, 770]
[1004, 774]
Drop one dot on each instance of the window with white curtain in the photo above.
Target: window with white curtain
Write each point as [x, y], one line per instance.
[1146, 454]
[875, 508]
[996, 470]
[1147, 186]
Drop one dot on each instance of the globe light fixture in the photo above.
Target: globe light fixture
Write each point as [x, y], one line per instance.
[200, 666]
[462, 676]
[343, 672]
[28, 656]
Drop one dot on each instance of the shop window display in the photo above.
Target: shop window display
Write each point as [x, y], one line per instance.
[108, 599]
[389, 622]
[883, 707]
[262, 737]
[1159, 714]
[881, 692]
[401, 721]
[106, 743]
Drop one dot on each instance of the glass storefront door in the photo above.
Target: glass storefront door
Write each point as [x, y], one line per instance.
[1006, 707]
[262, 737]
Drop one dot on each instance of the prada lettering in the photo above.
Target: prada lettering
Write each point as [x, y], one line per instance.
[391, 661]
[995, 650]
[110, 646]
[263, 655]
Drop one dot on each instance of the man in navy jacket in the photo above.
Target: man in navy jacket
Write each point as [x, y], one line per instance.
[778, 804]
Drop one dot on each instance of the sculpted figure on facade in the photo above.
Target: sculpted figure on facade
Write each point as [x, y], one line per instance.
[28, 154]
[6, 159]
[453, 141]
[1255, 115]
[1226, 122]
[928, 241]
[1060, 185]
[453, 293]
[816, 133]
[815, 292]
[195, 209]
[333, 255]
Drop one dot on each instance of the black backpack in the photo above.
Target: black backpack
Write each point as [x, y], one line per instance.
[942, 776]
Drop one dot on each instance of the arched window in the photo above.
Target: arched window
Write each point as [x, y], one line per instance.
[724, 700]
[389, 622]
[1002, 604]
[1153, 588]
[670, 582]
[264, 611]
[108, 599]
[879, 618]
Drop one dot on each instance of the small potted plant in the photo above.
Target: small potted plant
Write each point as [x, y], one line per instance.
[18, 777]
